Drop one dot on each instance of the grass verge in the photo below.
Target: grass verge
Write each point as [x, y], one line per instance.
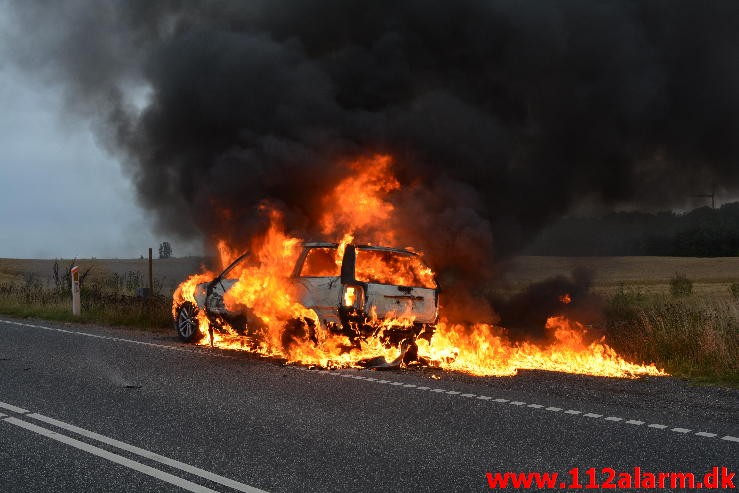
[688, 336]
[116, 309]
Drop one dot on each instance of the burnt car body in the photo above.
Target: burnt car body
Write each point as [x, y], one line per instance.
[348, 297]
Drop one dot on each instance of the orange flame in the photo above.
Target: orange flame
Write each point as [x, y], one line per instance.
[360, 205]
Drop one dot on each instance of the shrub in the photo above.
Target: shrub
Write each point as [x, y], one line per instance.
[681, 286]
[734, 288]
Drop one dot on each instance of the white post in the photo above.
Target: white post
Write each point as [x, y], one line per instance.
[75, 271]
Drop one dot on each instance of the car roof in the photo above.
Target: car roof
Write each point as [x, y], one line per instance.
[319, 244]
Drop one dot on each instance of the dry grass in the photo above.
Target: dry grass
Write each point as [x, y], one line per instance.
[168, 273]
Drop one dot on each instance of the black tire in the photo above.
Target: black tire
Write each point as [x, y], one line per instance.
[186, 323]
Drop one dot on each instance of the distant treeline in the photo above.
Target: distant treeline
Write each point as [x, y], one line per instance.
[703, 232]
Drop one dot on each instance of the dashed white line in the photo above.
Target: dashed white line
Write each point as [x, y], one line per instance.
[680, 430]
[370, 379]
[484, 397]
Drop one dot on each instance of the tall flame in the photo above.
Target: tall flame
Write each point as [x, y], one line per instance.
[360, 205]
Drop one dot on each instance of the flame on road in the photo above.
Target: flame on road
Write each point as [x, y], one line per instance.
[360, 205]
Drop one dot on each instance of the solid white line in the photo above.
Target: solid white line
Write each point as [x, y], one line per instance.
[91, 449]
[147, 454]
[13, 408]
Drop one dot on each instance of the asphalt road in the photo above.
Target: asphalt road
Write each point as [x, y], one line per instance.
[98, 409]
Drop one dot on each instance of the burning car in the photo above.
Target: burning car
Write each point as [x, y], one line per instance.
[358, 291]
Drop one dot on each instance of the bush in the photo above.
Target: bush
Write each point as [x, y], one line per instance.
[681, 286]
[734, 288]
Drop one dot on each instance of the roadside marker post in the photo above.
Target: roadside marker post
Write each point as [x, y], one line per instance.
[75, 274]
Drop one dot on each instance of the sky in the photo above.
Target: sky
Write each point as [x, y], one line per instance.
[61, 194]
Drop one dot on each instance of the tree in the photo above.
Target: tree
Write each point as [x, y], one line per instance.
[165, 250]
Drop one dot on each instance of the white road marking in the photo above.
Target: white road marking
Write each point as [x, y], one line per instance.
[409, 385]
[705, 434]
[2, 415]
[484, 397]
[145, 453]
[118, 459]
[13, 408]
[370, 379]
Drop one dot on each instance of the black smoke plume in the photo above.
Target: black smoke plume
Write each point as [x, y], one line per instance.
[500, 115]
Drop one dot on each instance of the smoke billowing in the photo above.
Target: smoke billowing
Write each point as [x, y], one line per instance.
[500, 115]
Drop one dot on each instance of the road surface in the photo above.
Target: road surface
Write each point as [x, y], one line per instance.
[86, 408]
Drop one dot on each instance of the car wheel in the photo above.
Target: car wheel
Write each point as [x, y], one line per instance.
[187, 324]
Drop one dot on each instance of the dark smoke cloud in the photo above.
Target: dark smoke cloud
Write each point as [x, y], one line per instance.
[501, 115]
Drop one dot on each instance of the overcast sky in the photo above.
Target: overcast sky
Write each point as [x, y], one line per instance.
[61, 195]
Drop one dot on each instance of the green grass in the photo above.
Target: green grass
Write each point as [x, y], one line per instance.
[688, 336]
[108, 307]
